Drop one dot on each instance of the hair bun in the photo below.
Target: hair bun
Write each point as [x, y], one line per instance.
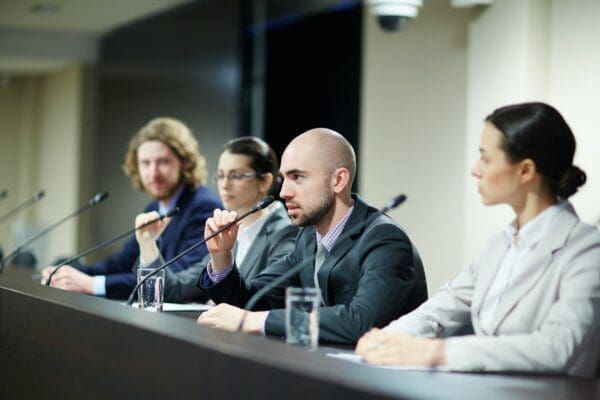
[570, 181]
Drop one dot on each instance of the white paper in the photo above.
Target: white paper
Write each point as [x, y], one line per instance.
[174, 307]
[355, 358]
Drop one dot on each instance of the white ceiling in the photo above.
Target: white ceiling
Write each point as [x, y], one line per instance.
[67, 31]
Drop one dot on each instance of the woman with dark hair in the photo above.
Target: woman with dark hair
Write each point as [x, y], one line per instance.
[532, 299]
[246, 174]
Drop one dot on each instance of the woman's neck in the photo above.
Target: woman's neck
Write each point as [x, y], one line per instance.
[250, 219]
[531, 206]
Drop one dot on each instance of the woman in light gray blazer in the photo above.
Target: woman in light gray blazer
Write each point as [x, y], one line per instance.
[532, 298]
[246, 174]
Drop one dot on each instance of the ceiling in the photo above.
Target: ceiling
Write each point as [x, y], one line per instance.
[37, 36]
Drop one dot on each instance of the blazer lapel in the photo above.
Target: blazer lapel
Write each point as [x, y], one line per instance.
[534, 265]
[339, 250]
[491, 261]
[258, 247]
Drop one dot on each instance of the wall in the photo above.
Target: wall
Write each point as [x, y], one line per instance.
[574, 87]
[413, 108]
[41, 123]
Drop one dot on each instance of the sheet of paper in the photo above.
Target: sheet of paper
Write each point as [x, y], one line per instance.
[186, 307]
[358, 359]
[174, 307]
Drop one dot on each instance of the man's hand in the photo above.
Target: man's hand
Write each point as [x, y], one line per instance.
[69, 278]
[220, 246]
[146, 237]
[227, 317]
[396, 348]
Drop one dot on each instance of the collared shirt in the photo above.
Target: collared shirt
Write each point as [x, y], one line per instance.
[331, 237]
[247, 234]
[99, 281]
[522, 243]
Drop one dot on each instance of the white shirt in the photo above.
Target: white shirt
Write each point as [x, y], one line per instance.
[248, 233]
[522, 243]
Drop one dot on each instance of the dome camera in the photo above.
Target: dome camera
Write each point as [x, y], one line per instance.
[394, 15]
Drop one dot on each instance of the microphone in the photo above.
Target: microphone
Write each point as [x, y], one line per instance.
[25, 204]
[3, 194]
[393, 203]
[168, 214]
[259, 206]
[91, 203]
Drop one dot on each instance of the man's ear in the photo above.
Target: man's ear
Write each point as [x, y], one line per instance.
[340, 179]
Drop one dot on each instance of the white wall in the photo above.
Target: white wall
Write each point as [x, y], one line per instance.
[40, 147]
[506, 65]
[412, 125]
[574, 88]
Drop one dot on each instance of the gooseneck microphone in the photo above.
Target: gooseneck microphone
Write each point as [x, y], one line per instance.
[100, 197]
[23, 205]
[259, 206]
[393, 203]
[168, 214]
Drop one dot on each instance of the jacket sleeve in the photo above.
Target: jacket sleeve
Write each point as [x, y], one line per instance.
[235, 290]
[445, 314]
[180, 286]
[569, 329]
[384, 257]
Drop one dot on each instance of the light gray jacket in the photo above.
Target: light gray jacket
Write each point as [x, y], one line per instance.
[549, 321]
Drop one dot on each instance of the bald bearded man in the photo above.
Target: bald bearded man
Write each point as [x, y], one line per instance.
[369, 277]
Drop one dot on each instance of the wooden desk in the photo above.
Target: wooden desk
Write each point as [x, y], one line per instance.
[56, 344]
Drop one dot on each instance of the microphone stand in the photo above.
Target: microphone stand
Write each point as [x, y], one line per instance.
[261, 204]
[25, 204]
[94, 201]
[168, 214]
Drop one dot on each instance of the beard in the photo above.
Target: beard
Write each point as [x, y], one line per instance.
[314, 216]
[165, 193]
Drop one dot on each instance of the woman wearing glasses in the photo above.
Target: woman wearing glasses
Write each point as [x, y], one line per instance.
[532, 298]
[246, 174]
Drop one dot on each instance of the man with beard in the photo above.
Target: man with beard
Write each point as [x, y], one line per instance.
[164, 160]
[368, 277]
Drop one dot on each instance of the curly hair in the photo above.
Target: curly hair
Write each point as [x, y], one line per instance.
[180, 140]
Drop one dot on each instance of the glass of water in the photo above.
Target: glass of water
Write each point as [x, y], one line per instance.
[150, 294]
[302, 317]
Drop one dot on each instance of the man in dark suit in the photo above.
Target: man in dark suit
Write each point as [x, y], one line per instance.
[163, 160]
[367, 278]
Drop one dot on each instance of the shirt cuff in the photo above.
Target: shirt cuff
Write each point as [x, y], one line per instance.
[99, 285]
[218, 276]
[264, 323]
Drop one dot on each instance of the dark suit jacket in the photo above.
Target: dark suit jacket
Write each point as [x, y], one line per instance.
[367, 280]
[184, 230]
[274, 241]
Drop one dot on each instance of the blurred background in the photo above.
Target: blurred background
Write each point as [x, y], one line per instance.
[79, 77]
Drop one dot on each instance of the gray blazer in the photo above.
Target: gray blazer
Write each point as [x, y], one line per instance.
[274, 240]
[549, 321]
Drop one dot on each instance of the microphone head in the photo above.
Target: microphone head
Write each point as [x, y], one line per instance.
[39, 195]
[98, 198]
[170, 213]
[395, 202]
[263, 203]
[3, 194]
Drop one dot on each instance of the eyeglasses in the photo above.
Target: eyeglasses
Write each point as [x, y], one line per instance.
[234, 176]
